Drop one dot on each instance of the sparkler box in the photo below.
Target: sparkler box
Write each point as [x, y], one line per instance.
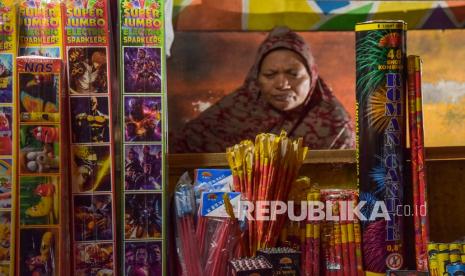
[8, 51]
[89, 70]
[143, 113]
[285, 260]
[41, 169]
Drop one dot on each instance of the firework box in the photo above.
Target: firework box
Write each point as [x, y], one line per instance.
[40, 28]
[285, 260]
[143, 108]
[8, 50]
[41, 173]
[406, 273]
[380, 109]
[257, 266]
[87, 55]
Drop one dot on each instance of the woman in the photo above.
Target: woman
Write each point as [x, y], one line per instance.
[282, 91]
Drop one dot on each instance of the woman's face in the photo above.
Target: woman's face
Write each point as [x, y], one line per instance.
[284, 79]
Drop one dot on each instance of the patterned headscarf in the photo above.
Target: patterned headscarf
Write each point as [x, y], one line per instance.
[321, 120]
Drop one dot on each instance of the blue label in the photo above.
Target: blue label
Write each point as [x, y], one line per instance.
[213, 204]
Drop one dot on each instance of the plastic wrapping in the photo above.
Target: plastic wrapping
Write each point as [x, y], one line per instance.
[340, 236]
[8, 141]
[143, 134]
[88, 59]
[186, 240]
[223, 247]
[41, 166]
[40, 28]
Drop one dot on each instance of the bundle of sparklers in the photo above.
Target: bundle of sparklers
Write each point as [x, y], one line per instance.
[205, 249]
[265, 171]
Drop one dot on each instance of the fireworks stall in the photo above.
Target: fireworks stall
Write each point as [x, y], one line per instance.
[203, 137]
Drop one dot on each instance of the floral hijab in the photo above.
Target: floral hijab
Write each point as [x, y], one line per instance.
[321, 120]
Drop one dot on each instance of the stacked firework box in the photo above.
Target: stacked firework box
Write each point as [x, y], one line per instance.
[380, 109]
[41, 136]
[446, 259]
[285, 260]
[256, 266]
[88, 58]
[8, 51]
[142, 59]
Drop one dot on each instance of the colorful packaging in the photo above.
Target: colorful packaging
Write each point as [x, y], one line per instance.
[456, 269]
[88, 57]
[256, 266]
[213, 205]
[380, 109]
[40, 28]
[41, 173]
[285, 260]
[418, 165]
[433, 259]
[8, 50]
[212, 180]
[143, 101]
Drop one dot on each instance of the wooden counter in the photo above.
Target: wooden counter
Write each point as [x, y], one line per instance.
[336, 169]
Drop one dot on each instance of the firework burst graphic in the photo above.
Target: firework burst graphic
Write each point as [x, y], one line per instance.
[369, 55]
[376, 108]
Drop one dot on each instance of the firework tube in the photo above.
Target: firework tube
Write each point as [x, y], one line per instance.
[351, 242]
[455, 248]
[316, 238]
[433, 259]
[422, 185]
[380, 91]
[414, 159]
[443, 258]
[308, 244]
[331, 255]
[358, 244]
[337, 239]
[417, 161]
[344, 239]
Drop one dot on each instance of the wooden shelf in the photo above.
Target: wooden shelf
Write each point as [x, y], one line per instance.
[197, 160]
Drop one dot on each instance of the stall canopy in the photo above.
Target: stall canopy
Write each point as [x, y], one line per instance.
[302, 15]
